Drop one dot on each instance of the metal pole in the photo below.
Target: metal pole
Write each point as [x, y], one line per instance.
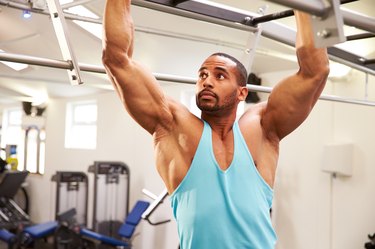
[368, 62]
[322, 97]
[271, 17]
[75, 3]
[44, 12]
[162, 77]
[360, 36]
[192, 15]
[352, 18]
[315, 7]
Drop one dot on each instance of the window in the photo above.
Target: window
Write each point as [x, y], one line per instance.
[27, 136]
[80, 131]
[35, 150]
[12, 133]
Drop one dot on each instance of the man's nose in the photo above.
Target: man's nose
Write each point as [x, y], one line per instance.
[208, 82]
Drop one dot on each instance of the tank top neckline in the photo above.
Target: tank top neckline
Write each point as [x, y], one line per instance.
[233, 162]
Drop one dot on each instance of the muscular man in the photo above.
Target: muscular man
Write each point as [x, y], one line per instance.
[219, 172]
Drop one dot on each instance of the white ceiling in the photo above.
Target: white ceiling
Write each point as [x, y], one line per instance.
[185, 44]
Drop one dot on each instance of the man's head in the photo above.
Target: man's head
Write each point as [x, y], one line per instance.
[241, 70]
[221, 84]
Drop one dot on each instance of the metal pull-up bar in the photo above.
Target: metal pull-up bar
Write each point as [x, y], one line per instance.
[59, 64]
[279, 15]
[272, 30]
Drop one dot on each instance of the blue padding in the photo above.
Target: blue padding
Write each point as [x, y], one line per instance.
[136, 214]
[41, 230]
[102, 238]
[126, 231]
[7, 236]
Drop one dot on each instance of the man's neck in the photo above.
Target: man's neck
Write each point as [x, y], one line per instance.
[221, 125]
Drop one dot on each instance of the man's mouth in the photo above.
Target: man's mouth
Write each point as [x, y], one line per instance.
[207, 94]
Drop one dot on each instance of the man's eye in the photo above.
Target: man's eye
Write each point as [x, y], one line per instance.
[220, 76]
[203, 75]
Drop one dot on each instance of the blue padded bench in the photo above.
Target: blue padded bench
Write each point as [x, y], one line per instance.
[103, 238]
[7, 236]
[132, 220]
[41, 230]
[126, 230]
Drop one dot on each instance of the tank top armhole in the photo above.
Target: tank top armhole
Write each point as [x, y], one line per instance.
[265, 185]
[182, 183]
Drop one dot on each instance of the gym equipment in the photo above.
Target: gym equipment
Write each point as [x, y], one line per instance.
[125, 231]
[71, 192]
[63, 232]
[9, 238]
[11, 215]
[111, 196]
[157, 201]
[35, 236]
[67, 232]
[371, 244]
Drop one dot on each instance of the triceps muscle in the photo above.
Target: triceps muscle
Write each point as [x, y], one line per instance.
[142, 96]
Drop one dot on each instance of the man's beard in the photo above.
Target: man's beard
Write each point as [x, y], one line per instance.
[230, 101]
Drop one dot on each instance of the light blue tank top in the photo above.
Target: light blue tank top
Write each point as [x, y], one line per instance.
[217, 209]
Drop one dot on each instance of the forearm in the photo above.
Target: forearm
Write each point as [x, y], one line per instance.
[313, 61]
[118, 31]
[136, 86]
[293, 98]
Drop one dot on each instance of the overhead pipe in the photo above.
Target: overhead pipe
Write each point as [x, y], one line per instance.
[32, 60]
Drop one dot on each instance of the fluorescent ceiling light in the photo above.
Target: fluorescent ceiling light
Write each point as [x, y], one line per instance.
[14, 65]
[93, 28]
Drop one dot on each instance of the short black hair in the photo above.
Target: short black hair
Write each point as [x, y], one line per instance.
[241, 70]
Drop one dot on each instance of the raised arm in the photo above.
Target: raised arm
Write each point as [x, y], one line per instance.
[291, 100]
[138, 89]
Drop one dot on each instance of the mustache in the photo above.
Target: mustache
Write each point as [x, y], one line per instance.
[205, 91]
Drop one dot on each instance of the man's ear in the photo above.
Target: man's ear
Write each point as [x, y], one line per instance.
[243, 93]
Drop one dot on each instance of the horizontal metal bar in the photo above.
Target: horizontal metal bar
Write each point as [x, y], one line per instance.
[350, 60]
[327, 97]
[315, 7]
[160, 6]
[74, 3]
[368, 62]
[271, 17]
[360, 36]
[176, 2]
[272, 30]
[286, 35]
[348, 1]
[360, 21]
[45, 62]
[282, 14]
[69, 16]
[162, 77]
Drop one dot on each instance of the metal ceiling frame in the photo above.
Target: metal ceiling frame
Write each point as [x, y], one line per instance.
[272, 30]
[240, 20]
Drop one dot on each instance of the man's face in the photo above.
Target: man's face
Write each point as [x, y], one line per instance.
[217, 87]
